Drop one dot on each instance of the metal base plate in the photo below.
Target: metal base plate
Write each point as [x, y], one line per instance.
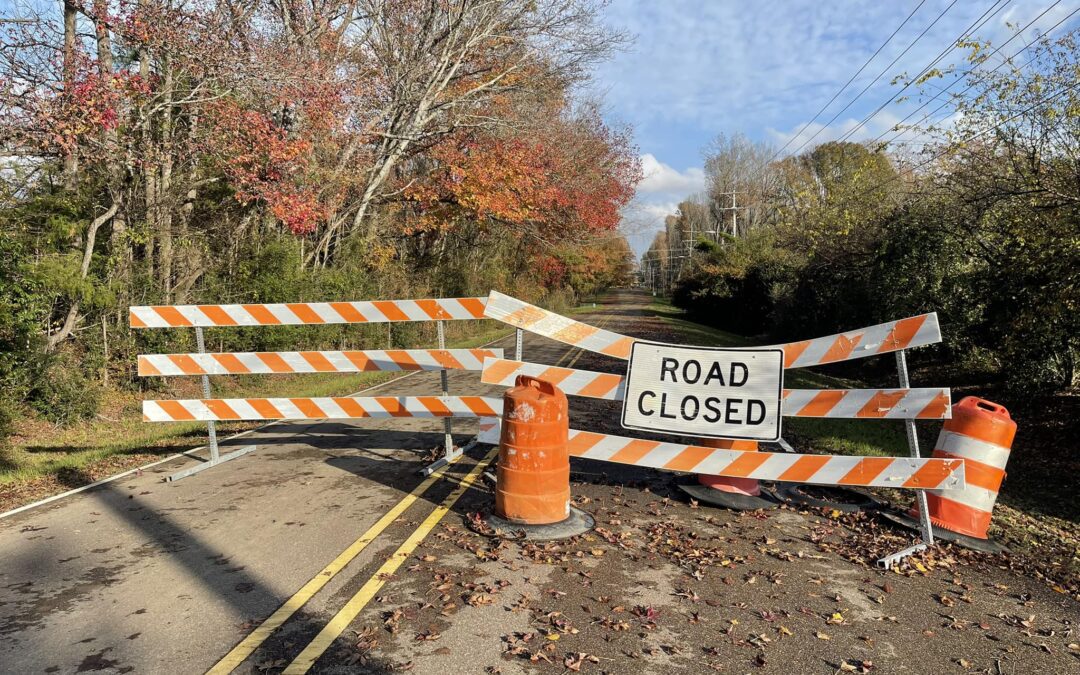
[727, 500]
[579, 522]
[210, 463]
[973, 543]
[847, 500]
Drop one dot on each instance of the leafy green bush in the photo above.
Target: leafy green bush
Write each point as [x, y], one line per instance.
[63, 394]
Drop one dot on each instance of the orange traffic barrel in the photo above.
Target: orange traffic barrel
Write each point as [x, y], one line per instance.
[533, 473]
[732, 493]
[981, 433]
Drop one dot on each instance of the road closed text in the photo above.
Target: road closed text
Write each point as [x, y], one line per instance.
[723, 393]
[731, 410]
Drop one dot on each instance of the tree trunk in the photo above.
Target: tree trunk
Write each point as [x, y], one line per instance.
[71, 160]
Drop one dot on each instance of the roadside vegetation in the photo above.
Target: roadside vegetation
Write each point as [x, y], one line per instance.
[177, 153]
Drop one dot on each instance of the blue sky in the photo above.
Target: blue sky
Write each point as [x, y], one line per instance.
[698, 68]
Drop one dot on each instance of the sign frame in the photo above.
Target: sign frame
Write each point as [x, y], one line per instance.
[628, 398]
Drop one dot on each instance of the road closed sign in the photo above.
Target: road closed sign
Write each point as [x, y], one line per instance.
[702, 391]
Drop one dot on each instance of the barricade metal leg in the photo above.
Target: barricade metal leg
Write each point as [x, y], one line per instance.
[519, 339]
[925, 526]
[211, 428]
[450, 453]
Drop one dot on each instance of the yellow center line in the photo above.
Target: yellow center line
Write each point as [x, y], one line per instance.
[356, 604]
[257, 637]
[252, 642]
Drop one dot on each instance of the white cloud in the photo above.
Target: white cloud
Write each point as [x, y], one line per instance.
[817, 133]
[662, 178]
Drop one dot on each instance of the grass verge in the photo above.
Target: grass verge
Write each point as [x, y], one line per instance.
[45, 459]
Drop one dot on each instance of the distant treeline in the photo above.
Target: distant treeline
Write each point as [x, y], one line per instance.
[975, 216]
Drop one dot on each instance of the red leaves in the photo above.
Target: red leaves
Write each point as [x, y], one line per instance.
[267, 164]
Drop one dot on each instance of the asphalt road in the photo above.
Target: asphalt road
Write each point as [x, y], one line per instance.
[151, 577]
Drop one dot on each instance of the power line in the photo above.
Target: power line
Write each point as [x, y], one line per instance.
[879, 75]
[978, 23]
[972, 137]
[978, 81]
[850, 80]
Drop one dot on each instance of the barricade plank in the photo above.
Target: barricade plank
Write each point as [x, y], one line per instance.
[245, 363]
[347, 407]
[306, 313]
[897, 472]
[924, 403]
[880, 339]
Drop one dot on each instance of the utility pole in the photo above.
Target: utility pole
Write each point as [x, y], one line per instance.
[734, 208]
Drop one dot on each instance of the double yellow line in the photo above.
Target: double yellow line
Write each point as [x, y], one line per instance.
[311, 653]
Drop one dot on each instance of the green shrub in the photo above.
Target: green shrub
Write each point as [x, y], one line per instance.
[63, 394]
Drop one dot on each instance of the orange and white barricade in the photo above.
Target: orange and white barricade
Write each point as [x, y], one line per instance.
[980, 433]
[205, 364]
[894, 337]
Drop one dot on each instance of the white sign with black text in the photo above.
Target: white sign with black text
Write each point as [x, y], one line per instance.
[704, 391]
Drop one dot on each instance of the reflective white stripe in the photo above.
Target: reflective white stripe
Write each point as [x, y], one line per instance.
[972, 448]
[717, 462]
[454, 307]
[974, 497]
[152, 412]
[929, 332]
[501, 307]
[490, 430]
[244, 409]
[872, 338]
[794, 402]
[374, 406]
[212, 364]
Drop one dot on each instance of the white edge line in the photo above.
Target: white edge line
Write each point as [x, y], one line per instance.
[27, 507]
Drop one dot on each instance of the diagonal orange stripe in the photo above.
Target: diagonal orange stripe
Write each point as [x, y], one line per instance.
[319, 362]
[274, 362]
[496, 372]
[435, 406]
[445, 359]
[824, 401]
[575, 333]
[402, 358]
[620, 348]
[308, 407]
[146, 368]
[390, 310]
[841, 348]
[433, 309]
[217, 315]
[186, 364]
[601, 385]
[881, 403]
[361, 361]
[582, 442]
[745, 464]
[265, 408]
[135, 321]
[793, 351]
[555, 375]
[393, 406]
[231, 364]
[977, 473]
[221, 409]
[351, 407]
[525, 317]
[479, 406]
[936, 409]
[689, 458]
[172, 316]
[175, 411]
[865, 471]
[931, 474]
[473, 306]
[348, 311]
[902, 333]
[304, 312]
[262, 315]
[804, 468]
[633, 451]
